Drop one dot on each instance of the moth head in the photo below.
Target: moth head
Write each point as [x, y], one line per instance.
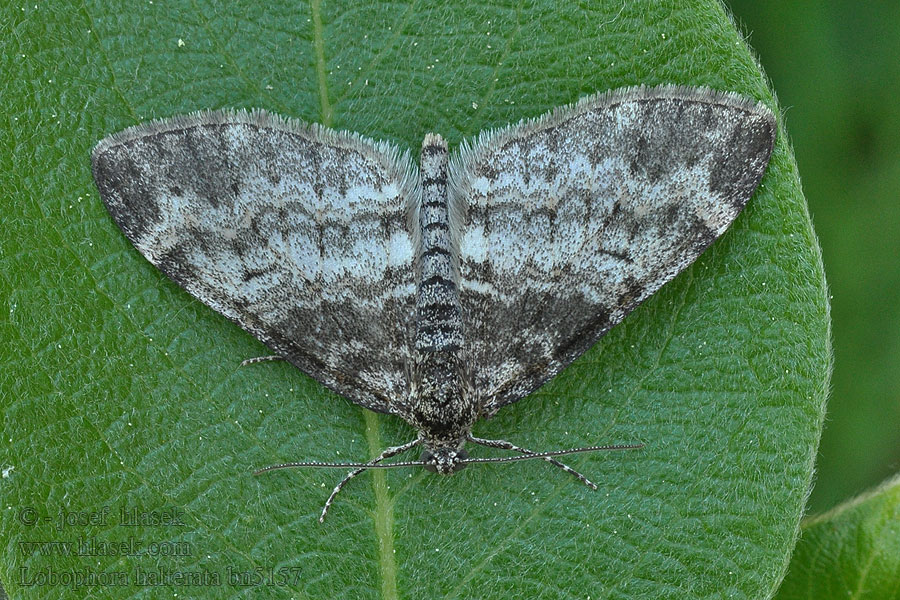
[444, 460]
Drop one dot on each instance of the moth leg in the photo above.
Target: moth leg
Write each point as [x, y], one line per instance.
[392, 451]
[259, 359]
[504, 445]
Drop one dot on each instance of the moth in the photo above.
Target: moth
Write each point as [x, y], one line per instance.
[441, 292]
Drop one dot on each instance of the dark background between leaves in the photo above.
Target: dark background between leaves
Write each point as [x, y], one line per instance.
[835, 68]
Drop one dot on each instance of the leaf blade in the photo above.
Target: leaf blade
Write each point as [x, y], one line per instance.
[133, 392]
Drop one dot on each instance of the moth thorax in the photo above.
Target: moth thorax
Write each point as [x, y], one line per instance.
[444, 406]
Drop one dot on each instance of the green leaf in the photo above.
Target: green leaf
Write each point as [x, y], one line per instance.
[120, 390]
[850, 552]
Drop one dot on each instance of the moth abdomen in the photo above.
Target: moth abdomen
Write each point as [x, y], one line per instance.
[438, 314]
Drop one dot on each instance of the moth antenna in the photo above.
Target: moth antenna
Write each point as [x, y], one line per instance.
[528, 454]
[531, 455]
[325, 465]
[419, 463]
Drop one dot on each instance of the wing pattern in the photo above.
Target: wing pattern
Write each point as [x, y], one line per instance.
[559, 227]
[303, 236]
[575, 218]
